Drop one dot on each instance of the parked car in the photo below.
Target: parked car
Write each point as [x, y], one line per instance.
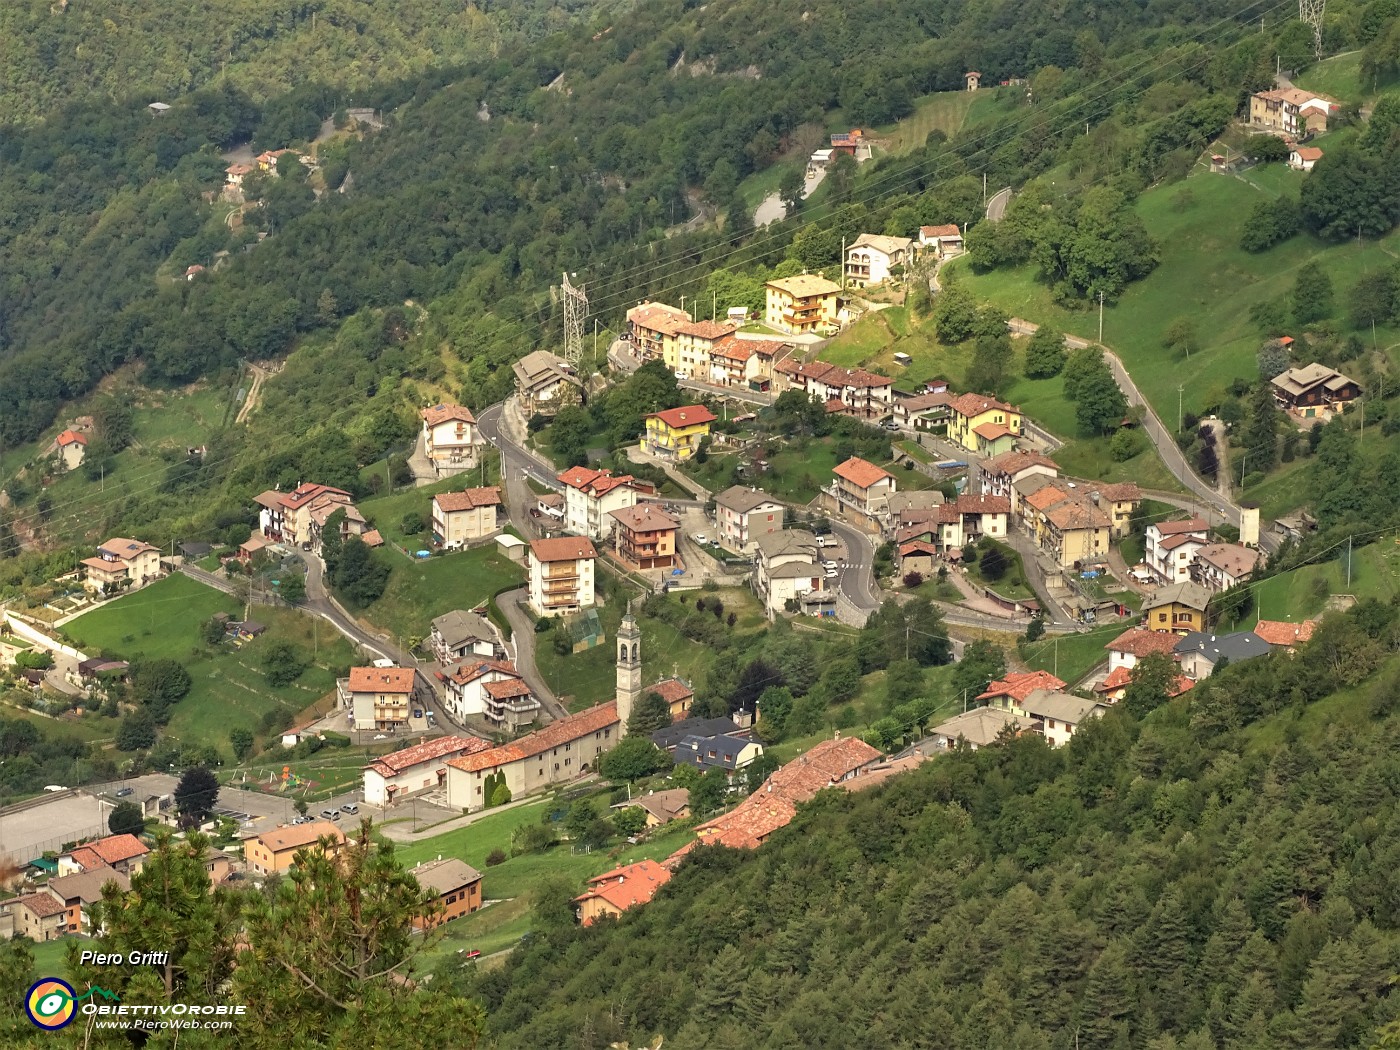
[827, 541]
[682, 375]
[350, 807]
[123, 792]
[890, 424]
[700, 538]
[827, 563]
[330, 814]
[475, 953]
[417, 712]
[831, 574]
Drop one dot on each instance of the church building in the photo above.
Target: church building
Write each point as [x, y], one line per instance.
[562, 750]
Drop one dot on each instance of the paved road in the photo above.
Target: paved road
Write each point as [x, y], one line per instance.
[996, 207]
[857, 579]
[517, 463]
[522, 624]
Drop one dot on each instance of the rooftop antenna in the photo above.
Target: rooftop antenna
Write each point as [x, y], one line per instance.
[575, 311]
[1311, 12]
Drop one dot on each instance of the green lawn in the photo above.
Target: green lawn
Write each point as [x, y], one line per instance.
[511, 884]
[1012, 583]
[1072, 656]
[419, 590]
[1303, 592]
[1339, 77]
[1203, 275]
[229, 688]
[944, 111]
[916, 450]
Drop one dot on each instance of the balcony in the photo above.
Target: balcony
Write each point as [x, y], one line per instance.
[569, 573]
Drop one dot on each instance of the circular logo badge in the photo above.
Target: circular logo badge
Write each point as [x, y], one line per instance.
[50, 1004]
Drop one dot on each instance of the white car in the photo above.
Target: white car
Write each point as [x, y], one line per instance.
[700, 538]
[827, 563]
[831, 574]
[682, 375]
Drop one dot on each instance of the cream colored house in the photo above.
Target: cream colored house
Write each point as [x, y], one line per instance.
[591, 496]
[786, 567]
[871, 259]
[450, 438]
[744, 514]
[561, 575]
[805, 303]
[378, 697]
[71, 447]
[460, 517]
[122, 564]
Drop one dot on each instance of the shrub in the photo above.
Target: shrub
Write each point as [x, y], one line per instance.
[496, 856]
[913, 579]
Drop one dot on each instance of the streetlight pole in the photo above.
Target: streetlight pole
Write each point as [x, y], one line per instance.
[1101, 317]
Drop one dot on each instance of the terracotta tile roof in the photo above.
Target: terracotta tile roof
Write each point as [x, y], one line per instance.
[947, 230]
[917, 547]
[644, 517]
[1045, 497]
[553, 735]
[1124, 492]
[445, 413]
[562, 548]
[626, 887]
[658, 317]
[1020, 685]
[440, 747]
[1139, 642]
[372, 538]
[300, 495]
[1073, 514]
[706, 329]
[1177, 528]
[983, 504]
[1171, 543]
[468, 499]
[672, 690]
[833, 405]
[71, 437]
[116, 848]
[1281, 632]
[732, 348]
[1017, 460]
[471, 671]
[44, 905]
[1119, 678]
[861, 473]
[504, 690]
[87, 859]
[684, 416]
[972, 405]
[1306, 153]
[834, 375]
[775, 804]
[299, 836]
[992, 431]
[381, 680]
[125, 549]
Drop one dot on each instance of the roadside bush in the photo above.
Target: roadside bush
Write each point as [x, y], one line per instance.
[496, 856]
[1126, 444]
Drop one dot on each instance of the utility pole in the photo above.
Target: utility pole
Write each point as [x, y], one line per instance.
[1348, 563]
[1101, 317]
[714, 304]
[1179, 389]
[984, 189]
[843, 256]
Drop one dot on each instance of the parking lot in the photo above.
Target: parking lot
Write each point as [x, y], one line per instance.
[31, 828]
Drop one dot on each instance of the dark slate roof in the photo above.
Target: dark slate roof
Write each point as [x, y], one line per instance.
[674, 733]
[1242, 645]
[695, 751]
[196, 549]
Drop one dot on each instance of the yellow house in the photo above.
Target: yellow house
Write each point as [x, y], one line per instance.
[677, 432]
[1180, 608]
[967, 413]
[804, 303]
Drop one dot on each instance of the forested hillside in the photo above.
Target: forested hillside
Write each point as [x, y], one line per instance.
[52, 53]
[585, 176]
[1217, 874]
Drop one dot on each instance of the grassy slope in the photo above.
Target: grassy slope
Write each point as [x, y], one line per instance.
[419, 590]
[944, 111]
[163, 620]
[1203, 275]
[387, 512]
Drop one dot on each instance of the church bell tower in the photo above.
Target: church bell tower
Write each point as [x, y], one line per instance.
[629, 668]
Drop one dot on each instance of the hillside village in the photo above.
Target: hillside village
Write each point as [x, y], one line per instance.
[662, 600]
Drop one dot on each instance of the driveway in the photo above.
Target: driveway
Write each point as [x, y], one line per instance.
[522, 642]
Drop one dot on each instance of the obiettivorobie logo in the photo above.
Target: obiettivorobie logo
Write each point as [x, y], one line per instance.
[52, 1003]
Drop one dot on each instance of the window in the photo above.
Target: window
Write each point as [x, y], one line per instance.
[1161, 617]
